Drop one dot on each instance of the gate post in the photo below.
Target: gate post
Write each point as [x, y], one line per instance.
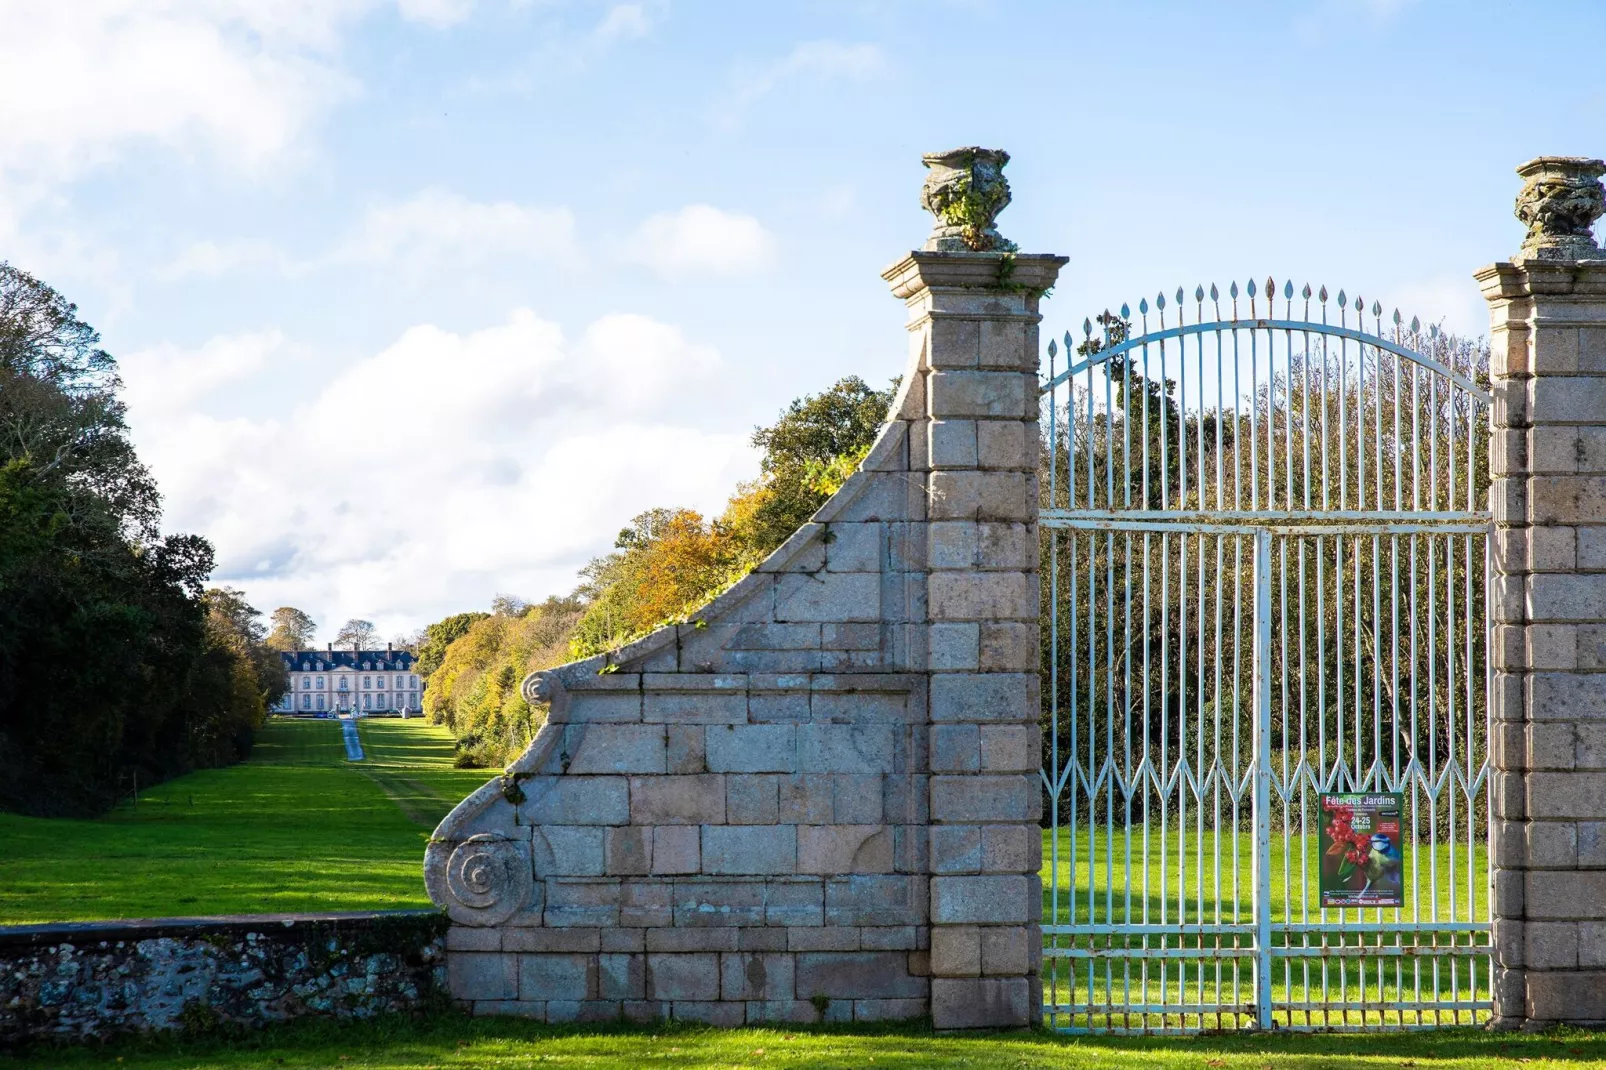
[973, 329]
[1548, 604]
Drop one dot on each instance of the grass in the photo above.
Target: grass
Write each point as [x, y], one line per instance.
[452, 1042]
[1192, 878]
[1191, 893]
[295, 828]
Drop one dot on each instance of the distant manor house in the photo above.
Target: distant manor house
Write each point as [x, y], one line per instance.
[367, 681]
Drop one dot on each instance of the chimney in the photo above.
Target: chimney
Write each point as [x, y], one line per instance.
[331, 648]
[388, 649]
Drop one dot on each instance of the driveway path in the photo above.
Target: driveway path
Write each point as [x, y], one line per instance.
[348, 725]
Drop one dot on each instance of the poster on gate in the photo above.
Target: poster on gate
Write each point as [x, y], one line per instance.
[1363, 852]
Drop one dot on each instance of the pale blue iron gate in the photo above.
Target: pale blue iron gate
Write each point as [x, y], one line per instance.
[1264, 576]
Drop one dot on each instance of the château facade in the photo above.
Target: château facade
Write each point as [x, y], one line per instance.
[351, 681]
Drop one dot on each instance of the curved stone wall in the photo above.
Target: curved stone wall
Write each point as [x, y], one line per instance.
[817, 799]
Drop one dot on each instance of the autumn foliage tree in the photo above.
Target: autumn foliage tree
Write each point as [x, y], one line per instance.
[474, 690]
[668, 562]
[664, 565]
[290, 629]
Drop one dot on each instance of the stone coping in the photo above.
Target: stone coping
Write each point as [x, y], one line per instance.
[266, 925]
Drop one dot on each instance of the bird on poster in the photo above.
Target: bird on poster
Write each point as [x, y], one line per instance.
[1382, 863]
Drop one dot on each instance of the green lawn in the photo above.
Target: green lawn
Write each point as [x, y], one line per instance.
[450, 1042]
[295, 828]
[1097, 889]
[1198, 878]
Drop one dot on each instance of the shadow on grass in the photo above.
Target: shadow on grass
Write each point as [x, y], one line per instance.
[449, 1039]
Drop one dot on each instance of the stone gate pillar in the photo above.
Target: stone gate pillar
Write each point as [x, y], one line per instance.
[1548, 598]
[973, 319]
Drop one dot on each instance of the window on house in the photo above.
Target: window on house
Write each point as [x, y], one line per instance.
[306, 702]
[320, 683]
[306, 683]
[320, 702]
[365, 702]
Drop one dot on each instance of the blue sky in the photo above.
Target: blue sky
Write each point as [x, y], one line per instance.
[422, 301]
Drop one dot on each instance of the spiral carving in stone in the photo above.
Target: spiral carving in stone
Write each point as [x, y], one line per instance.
[535, 688]
[490, 876]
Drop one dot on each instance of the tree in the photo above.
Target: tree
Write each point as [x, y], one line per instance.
[357, 634]
[668, 562]
[102, 650]
[246, 674]
[291, 629]
[509, 605]
[474, 689]
[810, 450]
[439, 636]
[113, 667]
[229, 610]
[59, 408]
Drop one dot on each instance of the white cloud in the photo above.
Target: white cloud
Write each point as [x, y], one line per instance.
[701, 240]
[165, 379]
[435, 12]
[623, 21]
[436, 225]
[81, 80]
[812, 60]
[427, 230]
[424, 478]
[567, 49]
[210, 259]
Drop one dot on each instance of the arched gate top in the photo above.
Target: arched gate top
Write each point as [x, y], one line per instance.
[1305, 327]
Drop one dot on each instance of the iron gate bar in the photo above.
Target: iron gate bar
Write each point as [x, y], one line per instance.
[1137, 792]
[1260, 872]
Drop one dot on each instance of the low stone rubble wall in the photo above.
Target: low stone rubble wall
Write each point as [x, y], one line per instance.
[94, 979]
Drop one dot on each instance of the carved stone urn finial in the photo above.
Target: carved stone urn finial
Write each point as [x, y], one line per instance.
[1560, 200]
[965, 190]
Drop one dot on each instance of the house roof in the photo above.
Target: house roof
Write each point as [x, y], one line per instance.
[354, 660]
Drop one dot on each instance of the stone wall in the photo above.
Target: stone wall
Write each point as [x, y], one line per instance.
[1548, 655]
[818, 798]
[95, 979]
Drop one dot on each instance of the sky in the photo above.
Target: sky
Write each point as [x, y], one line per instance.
[418, 302]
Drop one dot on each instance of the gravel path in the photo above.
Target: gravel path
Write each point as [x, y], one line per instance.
[354, 752]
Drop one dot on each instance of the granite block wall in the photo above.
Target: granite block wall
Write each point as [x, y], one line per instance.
[817, 799]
